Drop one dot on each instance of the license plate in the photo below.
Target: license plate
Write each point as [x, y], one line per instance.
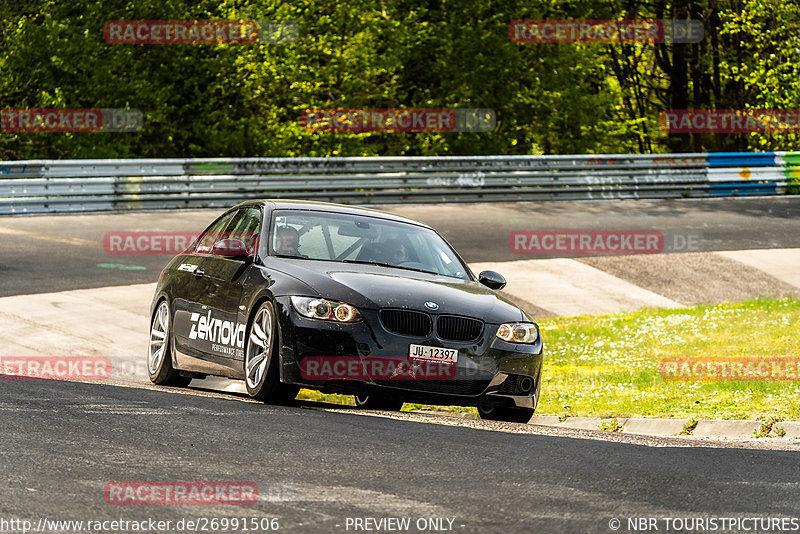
[433, 354]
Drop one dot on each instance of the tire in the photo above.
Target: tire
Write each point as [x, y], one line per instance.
[159, 350]
[261, 360]
[372, 402]
[508, 415]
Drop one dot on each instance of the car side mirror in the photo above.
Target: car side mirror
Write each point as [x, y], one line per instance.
[492, 279]
[231, 248]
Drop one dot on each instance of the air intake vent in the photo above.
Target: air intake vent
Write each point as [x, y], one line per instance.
[406, 322]
[454, 328]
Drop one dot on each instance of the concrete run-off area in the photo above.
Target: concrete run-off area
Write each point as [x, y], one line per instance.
[62, 294]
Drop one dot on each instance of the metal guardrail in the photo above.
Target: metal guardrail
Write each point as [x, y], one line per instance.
[49, 186]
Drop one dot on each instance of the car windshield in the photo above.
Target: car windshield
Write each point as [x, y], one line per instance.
[348, 238]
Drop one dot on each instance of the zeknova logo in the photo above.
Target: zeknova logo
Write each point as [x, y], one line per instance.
[208, 328]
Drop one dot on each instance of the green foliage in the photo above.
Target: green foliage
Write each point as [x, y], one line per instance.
[689, 427]
[611, 426]
[765, 428]
[766, 34]
[246, 100]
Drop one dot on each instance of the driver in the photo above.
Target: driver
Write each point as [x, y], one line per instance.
[396, 252]
[287, 241]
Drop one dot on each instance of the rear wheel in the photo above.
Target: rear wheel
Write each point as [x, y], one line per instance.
[506, 414]
[159, 350]
[261, 361]
[373, 402]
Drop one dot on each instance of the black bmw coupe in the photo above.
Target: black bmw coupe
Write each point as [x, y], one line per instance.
[288, 294]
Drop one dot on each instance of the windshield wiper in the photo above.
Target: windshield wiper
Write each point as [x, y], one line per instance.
[363, 262]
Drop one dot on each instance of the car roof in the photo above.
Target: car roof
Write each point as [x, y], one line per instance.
[309, 205]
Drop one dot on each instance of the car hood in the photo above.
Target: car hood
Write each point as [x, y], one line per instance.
[374, 287]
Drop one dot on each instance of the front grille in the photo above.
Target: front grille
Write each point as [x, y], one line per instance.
[454, 328]
[406, 322]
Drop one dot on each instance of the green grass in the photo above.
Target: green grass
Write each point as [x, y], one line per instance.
[347, 400]
[607, 365]
[611, 426]
[313, 395]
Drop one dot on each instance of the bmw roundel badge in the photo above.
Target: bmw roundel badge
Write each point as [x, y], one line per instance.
[431, 305]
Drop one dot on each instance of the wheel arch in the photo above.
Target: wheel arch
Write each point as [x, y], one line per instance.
[260, 299]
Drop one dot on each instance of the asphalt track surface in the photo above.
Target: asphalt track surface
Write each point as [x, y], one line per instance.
[62, 442]
[318, 465]
[57, 253]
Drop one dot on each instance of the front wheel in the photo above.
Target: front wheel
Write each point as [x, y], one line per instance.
[372, 402]
[159, 350]
[261, 361]
[508, 415]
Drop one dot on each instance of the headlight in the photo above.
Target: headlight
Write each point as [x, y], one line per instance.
[518, 332]
[315, 308]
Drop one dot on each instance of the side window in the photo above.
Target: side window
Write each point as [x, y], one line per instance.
[207, 239]
[246, 227]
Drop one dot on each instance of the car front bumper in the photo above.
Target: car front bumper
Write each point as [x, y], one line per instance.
[489, 371]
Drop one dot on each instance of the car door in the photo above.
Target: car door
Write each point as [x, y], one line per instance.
[227, 271]
[199, 317]
[219, 336]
